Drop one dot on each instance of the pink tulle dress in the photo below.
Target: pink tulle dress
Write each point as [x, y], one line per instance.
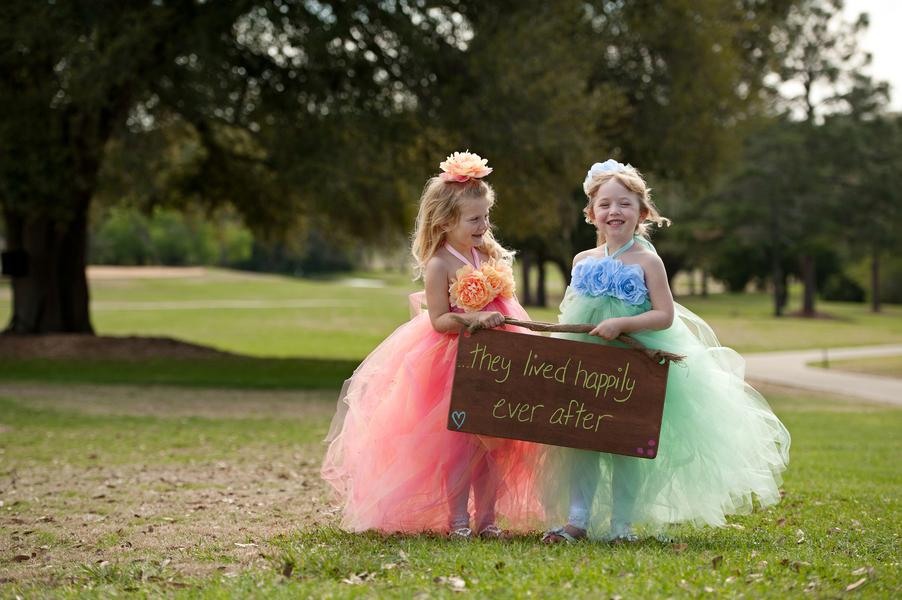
[393, 463]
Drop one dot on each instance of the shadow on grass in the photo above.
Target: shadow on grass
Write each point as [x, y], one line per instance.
[215, 372]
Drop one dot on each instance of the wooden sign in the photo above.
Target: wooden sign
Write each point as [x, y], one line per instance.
[559, 392]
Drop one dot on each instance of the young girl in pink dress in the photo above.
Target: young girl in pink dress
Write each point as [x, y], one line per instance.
[392, 461]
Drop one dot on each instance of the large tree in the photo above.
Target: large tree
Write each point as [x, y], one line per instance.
[258, 99]
[864, 150]
[819, 56]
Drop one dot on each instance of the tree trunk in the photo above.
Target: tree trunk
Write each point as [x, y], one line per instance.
[704, 283]
[779, 286]
[541, 298]
[564, 266]
[809, 283]
[526, 292]
[875, 279]
[52, 296]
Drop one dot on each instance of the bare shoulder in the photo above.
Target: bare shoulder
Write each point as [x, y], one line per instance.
[590, 253]
[437, 269]
[649, 261]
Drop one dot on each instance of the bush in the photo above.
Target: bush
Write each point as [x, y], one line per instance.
[127, 236]
[890, 277]
[840, 287]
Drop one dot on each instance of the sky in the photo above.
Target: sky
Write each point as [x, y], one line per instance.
[883, 39]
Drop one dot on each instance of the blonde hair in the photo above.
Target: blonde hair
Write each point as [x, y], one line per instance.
[632, 180]
[440, 208]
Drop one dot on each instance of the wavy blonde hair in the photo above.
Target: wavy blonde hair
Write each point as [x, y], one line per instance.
[440, 208]
[632, 180]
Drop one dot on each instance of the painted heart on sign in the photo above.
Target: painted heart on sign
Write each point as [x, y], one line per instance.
[458, 417]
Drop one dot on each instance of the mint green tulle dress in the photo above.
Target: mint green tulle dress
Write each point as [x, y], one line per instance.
[720, 448]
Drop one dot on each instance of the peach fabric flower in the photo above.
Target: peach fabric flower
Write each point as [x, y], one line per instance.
[500, 277]
[471, 290]
[464, 166]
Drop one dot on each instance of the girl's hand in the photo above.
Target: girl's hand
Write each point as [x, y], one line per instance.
[608, 329]
[489, 320]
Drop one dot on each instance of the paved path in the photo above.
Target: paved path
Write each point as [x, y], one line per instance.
[790, 369]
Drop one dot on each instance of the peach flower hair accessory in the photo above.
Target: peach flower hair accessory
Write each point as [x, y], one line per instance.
[464, 166]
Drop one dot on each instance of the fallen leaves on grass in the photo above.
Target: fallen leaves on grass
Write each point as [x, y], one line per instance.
[795, 565]
[456, 583]
[857, 584]
[679, 548]
[716, 561]
[359, 578]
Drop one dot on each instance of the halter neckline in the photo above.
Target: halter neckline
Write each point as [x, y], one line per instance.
[475, 263]
[620, 250]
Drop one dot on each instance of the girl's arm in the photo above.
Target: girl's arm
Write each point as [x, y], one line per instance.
[436, 280]
[659, 317]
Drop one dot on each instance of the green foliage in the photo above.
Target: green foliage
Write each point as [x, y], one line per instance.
[125, 236]
[841, 288]
[891, 277]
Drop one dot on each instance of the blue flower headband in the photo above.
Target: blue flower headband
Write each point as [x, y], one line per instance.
[608, 166]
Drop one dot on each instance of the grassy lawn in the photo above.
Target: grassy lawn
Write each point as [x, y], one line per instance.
[235, 373]
[887, 366]
[198, 478]
[272, 316]
[111, 490]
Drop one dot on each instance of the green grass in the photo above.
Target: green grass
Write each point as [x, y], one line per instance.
[838, 523]
[238, 373]
[887, 366]
[331, 319]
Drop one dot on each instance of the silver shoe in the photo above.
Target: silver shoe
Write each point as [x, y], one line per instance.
[461, 533]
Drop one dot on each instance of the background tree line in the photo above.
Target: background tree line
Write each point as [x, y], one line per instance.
[321, 120]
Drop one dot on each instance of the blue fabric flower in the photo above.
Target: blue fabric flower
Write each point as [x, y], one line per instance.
[600, 280]
[629, 285]
[609, 277]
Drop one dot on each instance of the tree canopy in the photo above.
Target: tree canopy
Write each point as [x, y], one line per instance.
[331, 115]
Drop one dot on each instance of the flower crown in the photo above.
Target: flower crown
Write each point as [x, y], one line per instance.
[464, 166]
[608, 166]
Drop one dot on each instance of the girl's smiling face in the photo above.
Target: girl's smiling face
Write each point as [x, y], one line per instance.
[472, 224]
[616, 211]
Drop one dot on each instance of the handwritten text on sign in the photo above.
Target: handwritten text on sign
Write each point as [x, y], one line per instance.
[558, 392]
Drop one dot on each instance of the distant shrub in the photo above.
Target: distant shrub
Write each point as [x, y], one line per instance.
[127, 236]
[840, 287]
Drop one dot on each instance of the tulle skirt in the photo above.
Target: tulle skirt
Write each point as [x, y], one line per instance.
[721, 448]
[393, 463]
